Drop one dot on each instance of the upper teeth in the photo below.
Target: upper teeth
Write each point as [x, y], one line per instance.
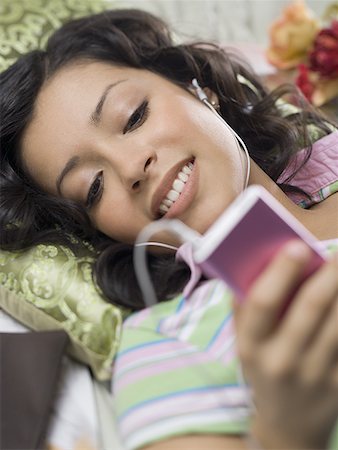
[176, 188]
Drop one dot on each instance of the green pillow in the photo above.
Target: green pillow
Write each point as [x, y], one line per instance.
[25, 25]
[48, 288]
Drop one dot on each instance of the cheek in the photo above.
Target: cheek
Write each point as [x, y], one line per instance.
[177, 121]
[120, 222]
[166, 131]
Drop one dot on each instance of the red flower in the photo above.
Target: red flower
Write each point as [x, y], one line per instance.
[324, 56]
[304, 82]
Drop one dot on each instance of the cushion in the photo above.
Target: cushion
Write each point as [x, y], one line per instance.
[26, 25]
[47, 287]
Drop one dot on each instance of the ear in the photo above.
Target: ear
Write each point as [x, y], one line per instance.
[211, 95]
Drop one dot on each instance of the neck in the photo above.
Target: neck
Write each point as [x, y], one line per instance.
[321, 220]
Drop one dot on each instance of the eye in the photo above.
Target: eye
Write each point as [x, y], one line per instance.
[138, 117]
[95, 191]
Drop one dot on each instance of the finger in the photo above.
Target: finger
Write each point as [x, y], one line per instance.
[271, 290]
[310, 306]
[321, 356]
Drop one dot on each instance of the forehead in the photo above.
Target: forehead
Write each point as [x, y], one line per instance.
[93, 71]
[88, 77]
[76, 89]
[83, 82]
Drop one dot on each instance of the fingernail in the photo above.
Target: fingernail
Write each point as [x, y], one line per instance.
[297, 249]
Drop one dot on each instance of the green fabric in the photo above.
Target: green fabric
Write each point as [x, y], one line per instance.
[48, 287]
[26, 24]
[315, 132]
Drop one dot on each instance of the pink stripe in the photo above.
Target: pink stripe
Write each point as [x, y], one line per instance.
[197, 299]
[226, 333]
[187, 403]
[176, 320]
[159, 348]
[137, 318]
[157, 368]
[229, 355]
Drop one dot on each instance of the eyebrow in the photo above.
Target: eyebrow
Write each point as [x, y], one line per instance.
[71, 164]
[95, 117]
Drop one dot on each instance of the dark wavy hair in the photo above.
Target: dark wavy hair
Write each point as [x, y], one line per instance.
[135, 39]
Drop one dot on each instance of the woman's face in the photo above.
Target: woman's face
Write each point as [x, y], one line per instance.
[131, 146]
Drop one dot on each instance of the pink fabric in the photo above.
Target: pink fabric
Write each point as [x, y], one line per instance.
[320, 171]
[184, 253]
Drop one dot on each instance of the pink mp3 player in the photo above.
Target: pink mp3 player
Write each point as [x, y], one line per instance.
[242, 241]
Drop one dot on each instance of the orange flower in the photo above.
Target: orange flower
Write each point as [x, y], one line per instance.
[292, 35]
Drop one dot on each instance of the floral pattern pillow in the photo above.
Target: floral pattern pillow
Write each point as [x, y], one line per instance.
[25, 25]
[48, 288]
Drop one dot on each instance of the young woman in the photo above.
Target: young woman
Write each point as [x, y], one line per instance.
[102, 134]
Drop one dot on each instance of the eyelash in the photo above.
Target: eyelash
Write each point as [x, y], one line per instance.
[95, 190]
[137, 118]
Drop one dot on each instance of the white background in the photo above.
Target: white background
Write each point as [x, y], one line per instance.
[225, 21]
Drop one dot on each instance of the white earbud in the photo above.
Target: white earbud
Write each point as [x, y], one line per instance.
[199, 91]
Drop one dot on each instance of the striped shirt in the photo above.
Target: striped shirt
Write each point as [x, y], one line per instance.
[177, 370]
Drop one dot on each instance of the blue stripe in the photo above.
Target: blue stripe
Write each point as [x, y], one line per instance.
[176, 394]
[147, 344]
[220, 328]
[178, 308]
[180, 304]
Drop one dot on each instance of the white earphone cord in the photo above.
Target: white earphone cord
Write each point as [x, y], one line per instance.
[175, 226]
[179, 229]
[203, 97]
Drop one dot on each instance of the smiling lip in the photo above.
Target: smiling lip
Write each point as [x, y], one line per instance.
[186, 195]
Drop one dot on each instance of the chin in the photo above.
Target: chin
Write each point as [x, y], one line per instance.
[200, 226]
[208, 218]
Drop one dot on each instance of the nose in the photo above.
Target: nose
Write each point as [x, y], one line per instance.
[137, 168]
